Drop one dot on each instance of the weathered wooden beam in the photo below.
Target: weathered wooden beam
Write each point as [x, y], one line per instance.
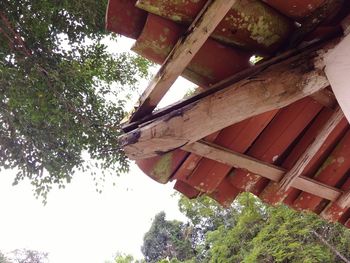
[326, 98]
[275, 87]
[272, 172]
[183, 52]
[311, 46]
[314, 147]
[344, 200]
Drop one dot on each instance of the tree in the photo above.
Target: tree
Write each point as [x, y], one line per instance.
[122, 258]
[248, 231]
[231, 243]
[167, 240]
[28, 256]
[59, 90]
[3, 258]
[205, 214]
[258, 233]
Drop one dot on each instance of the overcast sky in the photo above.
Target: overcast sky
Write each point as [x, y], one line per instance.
[78, 224]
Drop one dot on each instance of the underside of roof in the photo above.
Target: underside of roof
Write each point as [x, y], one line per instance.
[274, 129]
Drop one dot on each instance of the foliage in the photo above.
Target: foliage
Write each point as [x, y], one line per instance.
[59, 90]
[167, 240]
[266, 234]
[287, 237]
[230, 243]
[248, 231]
[122, 258]
[3, 258]
[205, 216]
[28, 256]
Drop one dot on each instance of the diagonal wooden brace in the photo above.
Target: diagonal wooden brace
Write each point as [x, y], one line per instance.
[181, 55]
[307, 156]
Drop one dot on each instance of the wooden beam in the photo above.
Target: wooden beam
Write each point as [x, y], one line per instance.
[272, 172]
[344, 200]
[252, 71]
[326, 98]
[310, 152]
[275, 87]
[183, 52]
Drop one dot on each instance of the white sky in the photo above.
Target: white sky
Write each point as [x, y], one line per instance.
[78, 224]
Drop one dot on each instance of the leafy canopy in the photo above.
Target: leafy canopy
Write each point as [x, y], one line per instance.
[258, 233]
[25, 256]
[60, 90]
[248, 232]
[167, 240]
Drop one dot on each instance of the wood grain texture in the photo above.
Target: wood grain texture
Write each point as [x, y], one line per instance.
[272, 172]
[276, 87]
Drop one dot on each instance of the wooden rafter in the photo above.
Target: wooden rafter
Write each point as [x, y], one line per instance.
[344, 200]
[183, 52]
[326, 98]
[306, 157]
[274, 173]
[275, 87]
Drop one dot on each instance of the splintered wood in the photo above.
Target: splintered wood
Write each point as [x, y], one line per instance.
[276, 87]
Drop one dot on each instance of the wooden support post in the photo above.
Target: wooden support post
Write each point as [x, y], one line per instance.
[275, 87]
[272, 172]
[307, 156]
[183, 52]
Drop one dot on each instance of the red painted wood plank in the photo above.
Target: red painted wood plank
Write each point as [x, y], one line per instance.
[162, 168]
[288, 124]
[331, 173]
[345, 219]
[186, 189]
[225, 193]
[333, 212]
[271, 194]
[208, 175]
[186, 169]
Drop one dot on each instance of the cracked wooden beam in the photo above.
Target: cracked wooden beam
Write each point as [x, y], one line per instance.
[275, 87]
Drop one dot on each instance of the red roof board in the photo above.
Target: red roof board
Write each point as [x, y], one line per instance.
[278, 137]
